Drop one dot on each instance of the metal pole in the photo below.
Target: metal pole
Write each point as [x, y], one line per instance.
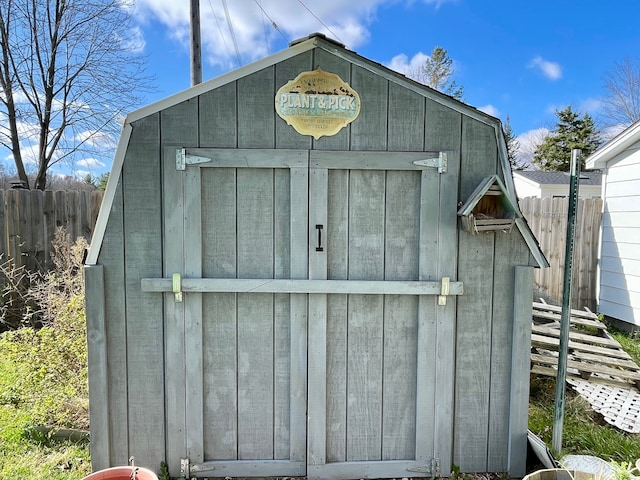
[558, 418]
[196, 54]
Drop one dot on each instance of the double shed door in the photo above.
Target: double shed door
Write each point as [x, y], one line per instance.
[304, 334]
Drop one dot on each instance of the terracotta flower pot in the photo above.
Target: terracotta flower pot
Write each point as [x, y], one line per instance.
[122, 473]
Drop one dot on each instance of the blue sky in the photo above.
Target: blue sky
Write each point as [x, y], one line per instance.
[520, 58]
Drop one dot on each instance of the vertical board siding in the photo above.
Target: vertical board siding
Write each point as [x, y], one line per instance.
[256, 101]
[142, 186]
[112, 257]
[218, 126]
[282, 315]
[174, 311]
[443, 130]
[364, 377]
[97, 363]
[255, 194]
[255, 376]
[520, 368]
[178, 127]
[406, 119]
[547, 218]
[365, 316]
[369, 130]
[474, 325]
[219, 314]
[510, 249]
[402, 227]
[336, 351]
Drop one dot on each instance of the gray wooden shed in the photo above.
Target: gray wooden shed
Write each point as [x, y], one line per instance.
[280, 284]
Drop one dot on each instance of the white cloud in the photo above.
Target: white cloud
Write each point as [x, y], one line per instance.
[90, 163]
[96, 138]
[438, 3]
[257, 26]
[551, 70]
[609, 133]
[529, 142]
[490, 110]
[401, 63]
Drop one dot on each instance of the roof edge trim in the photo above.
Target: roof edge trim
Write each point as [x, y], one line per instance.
[614, 147]
[109, 195]
[223, 79]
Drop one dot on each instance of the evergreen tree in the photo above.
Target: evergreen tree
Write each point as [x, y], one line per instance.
[437, 72]
[554, 153]
[513, 146]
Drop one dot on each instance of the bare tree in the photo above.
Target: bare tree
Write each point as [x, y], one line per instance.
[621, 102]
[68, 70]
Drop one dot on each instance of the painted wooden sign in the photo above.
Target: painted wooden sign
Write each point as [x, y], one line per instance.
[317, 103]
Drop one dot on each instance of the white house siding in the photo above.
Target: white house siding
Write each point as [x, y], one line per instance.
[620, 246]
[525, 188]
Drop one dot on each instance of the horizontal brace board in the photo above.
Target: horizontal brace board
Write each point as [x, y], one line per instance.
[370, 160]
[248, 157]
[248, 468]
[372, 469]
[268, 285]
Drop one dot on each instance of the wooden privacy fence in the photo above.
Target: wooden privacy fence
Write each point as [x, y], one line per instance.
[547, 217]
[29, 219]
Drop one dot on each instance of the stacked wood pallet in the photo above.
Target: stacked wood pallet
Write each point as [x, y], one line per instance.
[593, 354]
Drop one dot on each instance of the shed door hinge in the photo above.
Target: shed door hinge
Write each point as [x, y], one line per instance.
[439, 162]
[182, 159]
[185, 469]
[433, 468]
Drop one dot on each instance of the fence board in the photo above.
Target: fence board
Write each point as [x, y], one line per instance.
[29, 218]
[547, 218]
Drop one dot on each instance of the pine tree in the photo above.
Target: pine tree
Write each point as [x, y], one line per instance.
[554, 153]
[437, 72]
[513, 146]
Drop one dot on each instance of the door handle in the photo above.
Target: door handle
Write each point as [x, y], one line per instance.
[319, 247]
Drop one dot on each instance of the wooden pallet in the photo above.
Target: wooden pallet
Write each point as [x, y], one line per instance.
[593, 354]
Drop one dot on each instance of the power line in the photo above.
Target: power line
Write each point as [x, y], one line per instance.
[264, 28]
[273, 23]
[233, 34]
[220, 29]
[318, 18]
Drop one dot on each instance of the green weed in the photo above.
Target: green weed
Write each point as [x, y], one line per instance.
[43, 375]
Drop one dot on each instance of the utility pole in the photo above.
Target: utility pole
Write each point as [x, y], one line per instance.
[196, 48]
